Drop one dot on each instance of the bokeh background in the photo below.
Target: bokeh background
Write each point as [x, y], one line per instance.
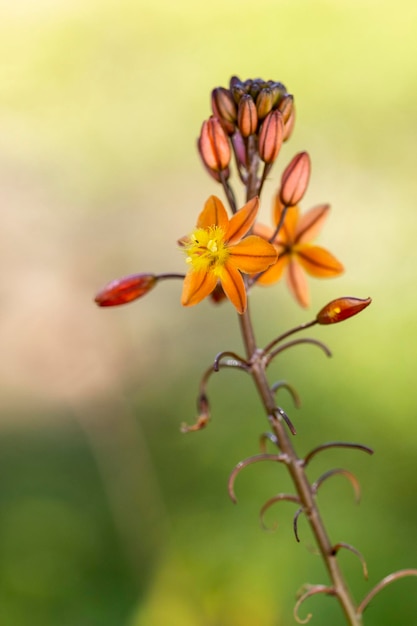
[109, 515]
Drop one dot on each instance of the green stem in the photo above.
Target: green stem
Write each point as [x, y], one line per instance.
[298, 475]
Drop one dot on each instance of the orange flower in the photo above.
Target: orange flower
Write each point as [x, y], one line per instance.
[218, 250]
[295, 251]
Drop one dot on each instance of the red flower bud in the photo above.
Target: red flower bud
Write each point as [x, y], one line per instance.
[247, 116]
[124, 290]
[341, 309]
[270, 136]
[213, 145]
[295, 179]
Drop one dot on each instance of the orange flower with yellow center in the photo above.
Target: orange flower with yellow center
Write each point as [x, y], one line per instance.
[296, 253]
[219, 249]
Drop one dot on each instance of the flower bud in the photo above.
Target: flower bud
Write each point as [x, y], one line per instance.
[341, 309]
[295, 179]
[239, 148]
[224, 108]
[264, 102]
[279, 92]
[256, 87]
[238, 90]
[289, 126]
[234, 80]
[124, 290]
[213, 145]
[286, 107]
[271, 136]
[247, 117]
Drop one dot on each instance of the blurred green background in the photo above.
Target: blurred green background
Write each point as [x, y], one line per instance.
[109, 516]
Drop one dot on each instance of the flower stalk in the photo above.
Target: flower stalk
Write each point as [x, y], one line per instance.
[228, 256]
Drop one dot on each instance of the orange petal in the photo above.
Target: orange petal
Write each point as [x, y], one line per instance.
[196, 287]
[252, 254]
[274, 273]
[318, 261]
[242, 221]
[213, 214]
[234, 287]
[311, 223]
[297, 284]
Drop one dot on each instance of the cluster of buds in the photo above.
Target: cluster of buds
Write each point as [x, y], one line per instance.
[250, 119]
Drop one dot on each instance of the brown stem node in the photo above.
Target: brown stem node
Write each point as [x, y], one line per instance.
[312, 590]
[384, 583]
[278, 498]
[279, 458]
[360, 556]
[351, 477]
[336, 444]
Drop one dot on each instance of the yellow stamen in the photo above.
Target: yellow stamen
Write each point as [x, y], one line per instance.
[207, 249]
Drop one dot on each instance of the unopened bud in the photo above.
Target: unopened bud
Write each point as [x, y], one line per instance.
[286, 107]
[279, 90]
[234, 80]
[239, 148]
[295, 179]
[238, 90]
[341, 309]
[218, 176]
[256, 87]
[247, 117]
[289, 126]
[224, 108]
[124, 290]
[264, 102]
[213, 145]
[271, 136]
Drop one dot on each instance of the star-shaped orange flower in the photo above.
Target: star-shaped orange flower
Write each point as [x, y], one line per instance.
[218, 251]
[296, 253]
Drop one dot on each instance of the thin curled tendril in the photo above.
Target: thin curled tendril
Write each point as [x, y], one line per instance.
[297, 342]
[281, 384]
[335, 444]
[236, 361]
[279, 458]
[360, 556]
[278, 498]
[311, 591]
[351, 477]
[384, 583]
[295, 523]
[282, 413]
